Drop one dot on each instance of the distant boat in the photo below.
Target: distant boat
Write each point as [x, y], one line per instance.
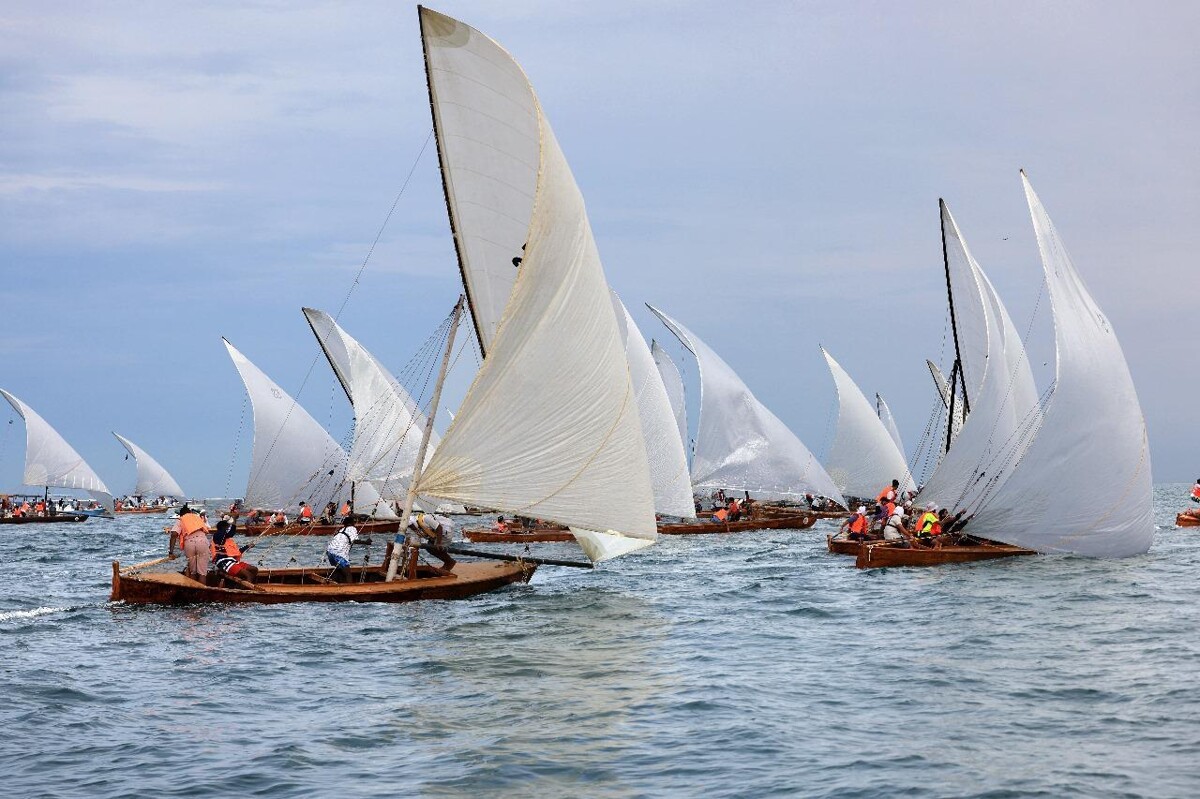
[51, 462]
[152, 480]
[1069, 473]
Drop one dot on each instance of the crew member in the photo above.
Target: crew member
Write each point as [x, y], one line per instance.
[227, 556]
[306, 514]
[891, 492]
[857, 525]
[193, 541]
[1196, 491]
[338, 550]
[438, 531]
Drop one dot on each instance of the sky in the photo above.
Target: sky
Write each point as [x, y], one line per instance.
[767, 173]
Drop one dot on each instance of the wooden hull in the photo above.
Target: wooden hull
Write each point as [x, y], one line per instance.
[277, 586]
[536, 535]
[798, 522]
[59, 519]
[1185, 519]
[841, 546]
[364, 528]
[123, 511]
[878, 555]
[775, 511]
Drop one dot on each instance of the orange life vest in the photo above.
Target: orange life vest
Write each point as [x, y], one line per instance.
[721, 515]
[344, 510]
[40, 507]
[306, 512]
[229, 548]
[190, 523]
[883, 495]
[858, 523]
[277, 518]
[929, 524]
[1196, 491]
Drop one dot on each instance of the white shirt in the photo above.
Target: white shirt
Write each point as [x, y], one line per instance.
[340, 543]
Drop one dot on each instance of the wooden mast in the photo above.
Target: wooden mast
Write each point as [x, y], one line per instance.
[419, 466]
[954, 327]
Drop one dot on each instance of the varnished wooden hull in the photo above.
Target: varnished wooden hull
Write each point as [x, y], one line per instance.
[873, 555]
[364, 528]
[841, 546]
[125, 511]
[59, 519]
[273, 586]
[536, 535]
[1187, 520]
[798, 522]
[775, 510]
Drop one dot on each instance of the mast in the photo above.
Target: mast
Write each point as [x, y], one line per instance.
[442, 167]
[954, 327]
[322, 340]
[418, 467]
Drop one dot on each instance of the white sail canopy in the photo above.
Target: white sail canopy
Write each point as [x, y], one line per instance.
[863, 458]
[550, 426]
[664, 448]
[294, 459]
[486, 118]
[1083, 485]
[387, 422]
[51, 461]
[673, 383]
[740, 444]
[889, 422]
[152, 479]
[943, 390]
[993, 434]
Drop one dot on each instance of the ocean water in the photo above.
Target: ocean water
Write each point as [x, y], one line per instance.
[743, 666]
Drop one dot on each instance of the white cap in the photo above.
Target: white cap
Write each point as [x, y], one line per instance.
[930, 506]
[862, 508]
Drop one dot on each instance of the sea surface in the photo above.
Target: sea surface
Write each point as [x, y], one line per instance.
[753, 665]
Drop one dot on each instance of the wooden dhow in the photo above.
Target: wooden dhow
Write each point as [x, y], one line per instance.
[798, 522]
[880, 554]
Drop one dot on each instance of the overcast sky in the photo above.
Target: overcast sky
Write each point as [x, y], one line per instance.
[767, 173]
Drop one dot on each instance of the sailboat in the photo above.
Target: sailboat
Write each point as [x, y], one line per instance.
[549, 424]
[1026, 469]
[51, 462]
[741, 446]
[152, 479]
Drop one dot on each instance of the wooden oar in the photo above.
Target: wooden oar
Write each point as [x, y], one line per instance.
[144, 564]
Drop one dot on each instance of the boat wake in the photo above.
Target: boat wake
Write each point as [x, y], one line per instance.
[17, 615]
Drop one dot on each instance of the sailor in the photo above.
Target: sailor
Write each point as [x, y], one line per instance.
[227, 556]
[278, 518]
[338, 550]
[1196, 491]
[193, 542]
[306, 514]
[438, 531]
[500, 526]
[857, 525]
[928, 525]
[720, 515]
[891, 492]
[893, 528]
[344, 511]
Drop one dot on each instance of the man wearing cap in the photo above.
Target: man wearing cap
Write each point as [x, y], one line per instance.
[929, 524]
[438, 530]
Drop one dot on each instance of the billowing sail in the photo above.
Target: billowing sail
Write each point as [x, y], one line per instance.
[740, 444]
[943, 389]
[152, 479]
[486, 118]
[294, 459]
[51, 461]
[863, 458]
[387, 422]
[995, 432]
[550, 426]
[664, 448]
[673, 383]
[1083, 485]
[889, 422]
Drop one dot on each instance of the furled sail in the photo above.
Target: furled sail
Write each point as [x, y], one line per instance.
[550, 426]
[1083, 485]
[664, 448]
[294, 459]
[889, 422]
[1005, 401]
[863, 458]
[51, 461]
[486, 119]
[387, 421]
[152, 479]
[673, 383]
[740, 444]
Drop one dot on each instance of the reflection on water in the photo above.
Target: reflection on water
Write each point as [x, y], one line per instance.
[751, 665]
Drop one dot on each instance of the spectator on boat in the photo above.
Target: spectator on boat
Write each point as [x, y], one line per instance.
[306, 514]
[438, 531]
[856, 527]
[227, 556]
[338, 550]
[193, 542]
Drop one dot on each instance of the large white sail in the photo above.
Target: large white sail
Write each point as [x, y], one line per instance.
[664, 448]
[740, 444]
[994, 434]
[863, 458]
[550, 426]
[294, 459]
[889, 422]
[51, 461]
[673, 383]
[486, 118]
[387, 422]
[1083, 485]
[943, 390]
[152, 479]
